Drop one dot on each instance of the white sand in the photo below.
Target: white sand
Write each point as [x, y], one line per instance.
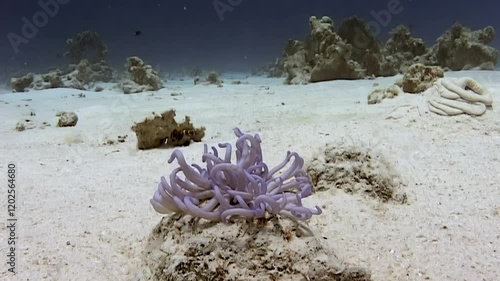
[84, 209]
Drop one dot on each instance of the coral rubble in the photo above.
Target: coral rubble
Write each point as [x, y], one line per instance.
[353, 52]
[79, 76]
[25, 125]
[181, 248]
[323, 56]
[404, 50]
[142, 77]
[461, 48]
[356, 170]
[87, 54]
[67, 119]
[20, 84]
[378, 95]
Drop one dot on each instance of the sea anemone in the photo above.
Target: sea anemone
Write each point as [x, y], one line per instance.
[247, 188]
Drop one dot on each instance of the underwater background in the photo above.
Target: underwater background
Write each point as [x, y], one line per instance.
[223, 35]
[292, 140]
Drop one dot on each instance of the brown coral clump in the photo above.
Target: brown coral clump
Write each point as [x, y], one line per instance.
[157, 130]
[419, 78]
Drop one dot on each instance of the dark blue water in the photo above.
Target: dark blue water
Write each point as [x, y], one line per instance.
[177, 34]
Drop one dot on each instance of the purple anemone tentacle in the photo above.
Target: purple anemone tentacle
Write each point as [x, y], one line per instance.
[223, 202]
[245, 188]
[196, 211]
[238, 212]
[227, 156]
[264, 199]
[189, 172]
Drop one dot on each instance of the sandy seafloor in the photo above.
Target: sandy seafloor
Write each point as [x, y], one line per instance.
[84, 212]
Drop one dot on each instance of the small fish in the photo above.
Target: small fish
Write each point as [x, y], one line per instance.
[138, 33]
